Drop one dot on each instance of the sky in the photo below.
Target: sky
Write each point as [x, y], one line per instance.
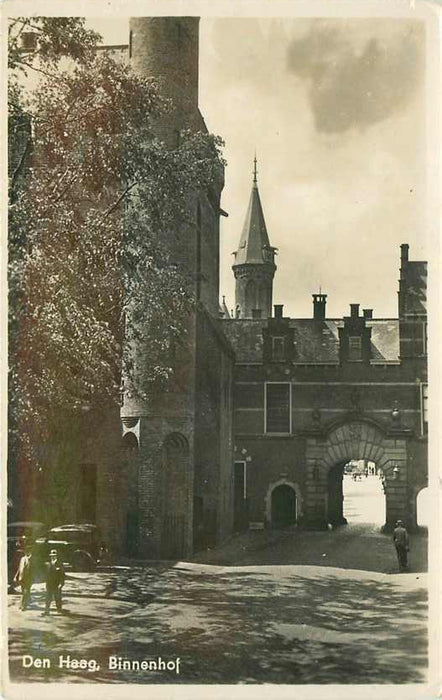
[335, 110]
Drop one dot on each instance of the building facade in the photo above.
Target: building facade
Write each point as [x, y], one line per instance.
[312, 394]
[264, 411]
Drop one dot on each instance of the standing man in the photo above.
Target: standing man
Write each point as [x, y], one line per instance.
[54, 581]
[400, 539]
[25, 577]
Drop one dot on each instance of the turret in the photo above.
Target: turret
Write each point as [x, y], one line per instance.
[166, 48]
[254, 266]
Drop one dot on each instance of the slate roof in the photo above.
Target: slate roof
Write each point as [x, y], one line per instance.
[315, 341]
[254, 245]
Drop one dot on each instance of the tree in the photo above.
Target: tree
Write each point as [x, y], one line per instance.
[95, 201]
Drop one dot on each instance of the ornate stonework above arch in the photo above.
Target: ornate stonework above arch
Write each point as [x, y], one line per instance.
[354, 440]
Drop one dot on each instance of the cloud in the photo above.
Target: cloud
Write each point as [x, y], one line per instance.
[357, 79]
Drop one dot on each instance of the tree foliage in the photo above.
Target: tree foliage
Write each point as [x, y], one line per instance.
[95, 203]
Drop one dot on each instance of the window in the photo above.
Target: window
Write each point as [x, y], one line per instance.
[278, 349]
[424, 408]
[354, 348]
[277, 408]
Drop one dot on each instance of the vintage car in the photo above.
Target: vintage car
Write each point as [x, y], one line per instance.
[78, 546]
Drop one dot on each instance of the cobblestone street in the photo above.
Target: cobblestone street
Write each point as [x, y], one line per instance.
[279, 607]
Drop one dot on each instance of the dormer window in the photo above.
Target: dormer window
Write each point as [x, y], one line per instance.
[278, 348]
[354, 348]
[355, 336]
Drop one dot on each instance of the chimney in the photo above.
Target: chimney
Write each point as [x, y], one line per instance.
[404, 253]
[319, 302]
[278, 310]
[368, 313]
[354, 310]
[256, 313]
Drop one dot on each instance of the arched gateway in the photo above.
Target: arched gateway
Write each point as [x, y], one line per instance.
[357, 439]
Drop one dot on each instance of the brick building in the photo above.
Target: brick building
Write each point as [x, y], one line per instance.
[264, 411]
[172, 492]
[311, 394]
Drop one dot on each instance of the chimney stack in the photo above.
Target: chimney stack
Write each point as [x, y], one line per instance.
[368, 313]
[278, 310]
[319, 302]
[354, 310]
[404, 253]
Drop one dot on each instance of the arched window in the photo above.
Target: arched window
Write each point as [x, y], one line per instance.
[175, 500]
[251, 301]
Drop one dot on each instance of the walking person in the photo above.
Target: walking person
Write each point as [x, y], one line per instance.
[55, 578]
[25, 577]
[400, 539]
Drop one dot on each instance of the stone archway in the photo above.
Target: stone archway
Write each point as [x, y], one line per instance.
[355, 439]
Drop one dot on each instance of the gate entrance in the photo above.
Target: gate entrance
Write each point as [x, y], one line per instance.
[359, 439]
[283, 506]
[356, 494]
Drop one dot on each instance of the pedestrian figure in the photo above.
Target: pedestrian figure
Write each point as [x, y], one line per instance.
[55, 577]
[25, 577]
[400, 539]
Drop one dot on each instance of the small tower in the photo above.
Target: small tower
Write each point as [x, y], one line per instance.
[254, 266]
[166, 48]
[176, 431]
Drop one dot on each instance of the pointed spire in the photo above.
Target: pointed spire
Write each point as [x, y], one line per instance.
[254, 266]
[254, 246]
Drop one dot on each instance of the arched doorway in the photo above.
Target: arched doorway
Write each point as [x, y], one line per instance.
[283, 506]
[175, 496]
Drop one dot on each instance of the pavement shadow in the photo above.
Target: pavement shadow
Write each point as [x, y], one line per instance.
[244, 627]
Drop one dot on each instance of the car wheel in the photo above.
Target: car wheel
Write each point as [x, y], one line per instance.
[82, 561]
